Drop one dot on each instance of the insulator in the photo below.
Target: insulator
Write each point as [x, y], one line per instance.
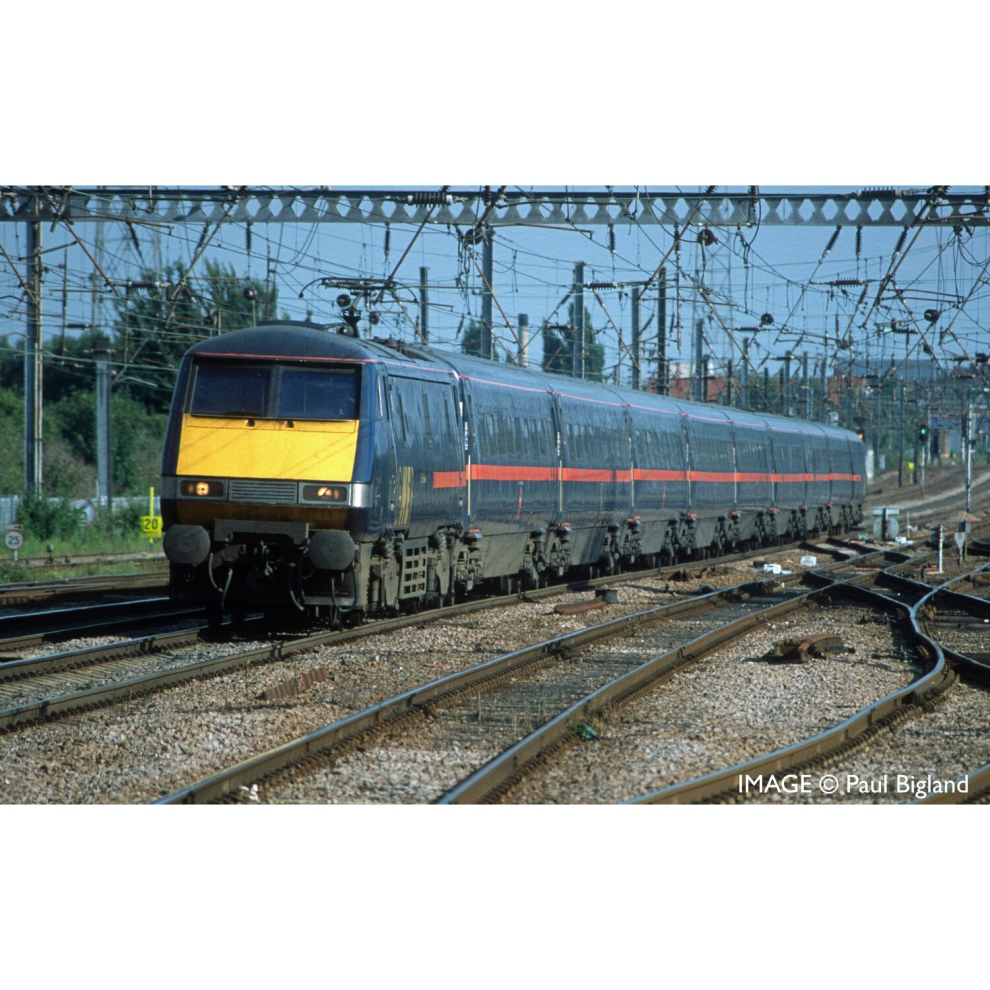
[838, 283]
[710, 190]
[146, 285]
[429, 199]
[388, 238]
[859, 241]
[831, 241]
[611, 238]
[881, 193]
[247, 237]
[600, 285]
[901, 240]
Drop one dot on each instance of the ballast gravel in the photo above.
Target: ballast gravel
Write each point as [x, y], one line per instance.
[910, 759]
[155, 745]
[152, 746]
[684, 723]
[728, 708]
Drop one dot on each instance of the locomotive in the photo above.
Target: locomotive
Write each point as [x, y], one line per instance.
[349, 478]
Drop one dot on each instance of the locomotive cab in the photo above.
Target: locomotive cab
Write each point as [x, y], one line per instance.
[266, 472]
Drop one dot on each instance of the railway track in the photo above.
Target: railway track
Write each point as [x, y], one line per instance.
[95, 676]
[56, 625]
[534, 681]
[960, 623]
[353, 685]
[914, 602]
[540, 682]
[91, 559]
[82, 588]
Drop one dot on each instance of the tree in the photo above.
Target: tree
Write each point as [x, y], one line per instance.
[558, 350]
[149, 335]
[12, 441]
[472, 342]
[161, 317]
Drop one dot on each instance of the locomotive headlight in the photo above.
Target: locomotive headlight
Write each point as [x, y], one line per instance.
[331, 494]
[201, 489]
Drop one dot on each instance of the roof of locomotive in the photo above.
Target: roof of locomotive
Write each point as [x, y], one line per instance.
[301, 341]
[283, 339]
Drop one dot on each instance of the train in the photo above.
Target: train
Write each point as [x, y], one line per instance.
[311, 470]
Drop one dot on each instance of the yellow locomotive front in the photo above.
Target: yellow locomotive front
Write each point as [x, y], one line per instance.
[266, 472]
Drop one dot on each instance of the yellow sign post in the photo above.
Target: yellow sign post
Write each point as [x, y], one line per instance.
[151, 525]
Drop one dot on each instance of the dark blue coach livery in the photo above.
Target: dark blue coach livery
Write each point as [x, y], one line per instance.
[309, 469]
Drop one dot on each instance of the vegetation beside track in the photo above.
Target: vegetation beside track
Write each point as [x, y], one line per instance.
[88, 551]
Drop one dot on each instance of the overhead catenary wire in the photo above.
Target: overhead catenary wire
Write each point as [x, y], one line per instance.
[305, 249]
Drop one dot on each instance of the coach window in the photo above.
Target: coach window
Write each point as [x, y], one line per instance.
[666, 457]
[480, 437]
[511, 438]
[495, 432]
[426, 418]
[446, 417]
[402, 416]
[546, 440]
[725, 453]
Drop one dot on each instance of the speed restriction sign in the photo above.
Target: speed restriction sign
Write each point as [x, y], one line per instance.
[13, 540]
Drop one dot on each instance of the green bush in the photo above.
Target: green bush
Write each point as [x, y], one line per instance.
[47, 520]
[125, 520]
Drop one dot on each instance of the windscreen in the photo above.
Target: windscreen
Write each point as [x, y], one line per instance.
[226, 390]
[324, 394]
[279, 392]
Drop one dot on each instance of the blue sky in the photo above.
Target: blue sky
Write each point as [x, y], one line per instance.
[749, 272]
